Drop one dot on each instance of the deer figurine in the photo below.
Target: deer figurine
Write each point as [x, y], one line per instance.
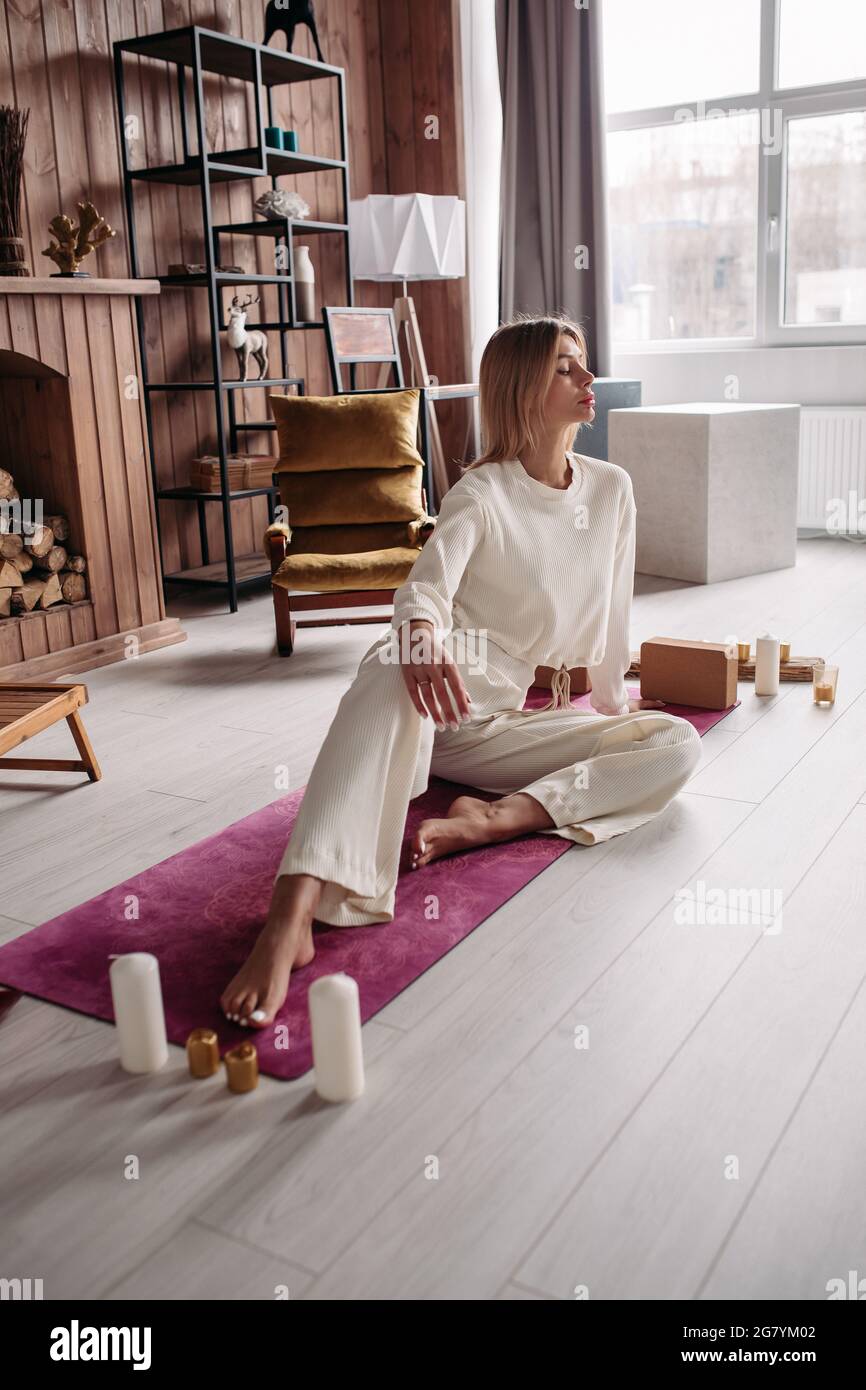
[286, 15]
[247, 342]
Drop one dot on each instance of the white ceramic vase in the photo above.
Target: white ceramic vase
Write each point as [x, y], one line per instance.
[305, 285]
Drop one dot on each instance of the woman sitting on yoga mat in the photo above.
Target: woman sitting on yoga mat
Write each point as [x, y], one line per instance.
[531, 564]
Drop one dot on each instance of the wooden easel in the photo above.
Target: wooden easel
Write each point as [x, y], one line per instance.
[406, 319]
[27, 709]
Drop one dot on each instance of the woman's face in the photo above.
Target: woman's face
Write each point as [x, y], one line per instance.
[570, 399]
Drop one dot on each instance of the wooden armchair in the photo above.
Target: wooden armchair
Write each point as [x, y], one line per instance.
[390, 564]
[356, 530]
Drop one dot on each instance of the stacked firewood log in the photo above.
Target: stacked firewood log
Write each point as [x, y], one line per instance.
[37, 568]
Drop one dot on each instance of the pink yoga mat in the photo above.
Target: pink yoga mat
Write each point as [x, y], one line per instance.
[199, 913]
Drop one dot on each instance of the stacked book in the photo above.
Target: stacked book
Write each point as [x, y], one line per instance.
[243, 470]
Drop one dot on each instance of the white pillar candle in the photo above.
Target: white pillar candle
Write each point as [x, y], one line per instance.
[335, 1027]
[767, 665]
[138, 1012]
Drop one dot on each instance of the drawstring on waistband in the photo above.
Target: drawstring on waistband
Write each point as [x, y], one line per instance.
[560, 686]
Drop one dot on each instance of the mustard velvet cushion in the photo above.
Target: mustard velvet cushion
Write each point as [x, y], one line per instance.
[356, 430]
[346, 496]
[346, 540]
[374, 569]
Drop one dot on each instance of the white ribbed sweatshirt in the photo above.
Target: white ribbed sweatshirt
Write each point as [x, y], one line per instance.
[546, 573]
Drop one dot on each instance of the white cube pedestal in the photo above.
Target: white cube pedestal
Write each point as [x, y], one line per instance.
[715, 486]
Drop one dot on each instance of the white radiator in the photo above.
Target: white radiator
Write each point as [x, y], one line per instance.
[832, 465]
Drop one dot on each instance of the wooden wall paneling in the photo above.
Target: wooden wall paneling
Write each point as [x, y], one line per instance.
[237, 108]
[122, 17]
[454, 299]
[180, 407]
[61, 488]
[34, 638]
[73, 181]
[398, 116]
[410, 36]
[358, 100]
[28, 453]
[5, 435]
[10, 641]
[12, 423]
[366, 128]
[146, 552]
[82, 623]
[202, 12]
[49, 333]
[427, 100]
[430, 165]
[58, 628]
[22, 320]
[250, 252]
[294, 105]
[374, 69]
[451, 72]
[225, 123]
[7, 86]
[253, 253]
[102, 148]
[258, 254]
[458, 290]
[115, 493]
[15, 450]
[83, 409]
[325, 252]
[67, 108]
[398, 96]
[30, 75]
[175, 14]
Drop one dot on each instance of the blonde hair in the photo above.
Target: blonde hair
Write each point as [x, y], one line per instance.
[517, 368]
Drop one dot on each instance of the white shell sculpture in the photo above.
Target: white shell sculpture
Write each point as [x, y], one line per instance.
[278, 202]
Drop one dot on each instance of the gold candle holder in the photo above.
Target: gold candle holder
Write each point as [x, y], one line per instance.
[242, 1068]
[202, 1052]
[784, 651]
[824, 680]
[744, 651]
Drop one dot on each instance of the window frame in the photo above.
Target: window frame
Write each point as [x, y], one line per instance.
[770, 226]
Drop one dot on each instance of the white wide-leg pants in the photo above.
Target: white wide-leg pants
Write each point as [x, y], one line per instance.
[596, 775]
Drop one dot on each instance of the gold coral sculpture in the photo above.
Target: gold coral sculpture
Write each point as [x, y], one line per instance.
[71, 244]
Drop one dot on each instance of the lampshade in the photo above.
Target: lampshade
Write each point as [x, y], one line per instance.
[407, 236]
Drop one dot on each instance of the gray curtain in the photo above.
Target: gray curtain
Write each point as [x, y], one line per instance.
[554, 185]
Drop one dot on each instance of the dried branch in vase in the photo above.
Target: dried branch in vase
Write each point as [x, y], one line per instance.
[13, 133]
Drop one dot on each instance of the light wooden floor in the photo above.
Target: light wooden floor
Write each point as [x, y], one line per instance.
[710, 1142]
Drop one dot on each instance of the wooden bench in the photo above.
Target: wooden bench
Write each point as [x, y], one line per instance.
[27, 709]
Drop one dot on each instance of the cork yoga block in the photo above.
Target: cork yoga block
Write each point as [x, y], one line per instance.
[688, 673]
[580, 682]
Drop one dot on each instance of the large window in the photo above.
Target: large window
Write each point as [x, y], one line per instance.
[737, 170]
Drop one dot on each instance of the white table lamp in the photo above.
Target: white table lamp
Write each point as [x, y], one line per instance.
[403, 237]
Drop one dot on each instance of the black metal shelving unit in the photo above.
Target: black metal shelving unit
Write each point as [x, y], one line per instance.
[206, 51]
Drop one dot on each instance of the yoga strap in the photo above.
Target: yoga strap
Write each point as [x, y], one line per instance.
[560, 686]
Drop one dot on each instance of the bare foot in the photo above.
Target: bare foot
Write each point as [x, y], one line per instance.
[258, 991]
[471, 822]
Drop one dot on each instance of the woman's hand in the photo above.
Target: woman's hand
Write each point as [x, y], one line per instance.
[432, 676]
[635, 705]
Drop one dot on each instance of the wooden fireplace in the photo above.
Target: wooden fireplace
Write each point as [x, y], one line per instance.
[72, 433]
